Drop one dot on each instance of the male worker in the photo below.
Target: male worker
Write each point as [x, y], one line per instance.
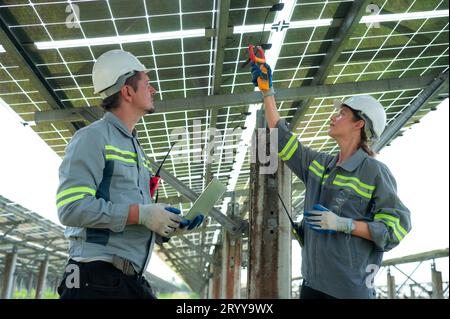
[104, 196]
[352, 211]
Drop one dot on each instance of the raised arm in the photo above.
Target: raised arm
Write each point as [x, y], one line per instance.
[271, 111]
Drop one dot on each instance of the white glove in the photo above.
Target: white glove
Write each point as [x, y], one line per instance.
[323, 220]
[157, 218]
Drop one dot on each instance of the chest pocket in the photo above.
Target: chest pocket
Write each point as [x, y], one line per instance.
[126, 170]
[124, 163]
[353, 196]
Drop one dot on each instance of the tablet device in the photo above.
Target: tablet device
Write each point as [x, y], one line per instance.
[206, 201]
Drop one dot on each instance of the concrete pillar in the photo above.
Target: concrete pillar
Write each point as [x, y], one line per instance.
[232, 267]
[269, 266]
[41, 279]
[216, 274]
[436, 283]
[391, 285]
[8, 274]
[231, 259]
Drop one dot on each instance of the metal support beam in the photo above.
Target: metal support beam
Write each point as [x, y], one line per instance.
[30, 285]
[8, 274]
[222, 33]
[231, 260]
[350, 22]
[216, 273]
[391, 285]
[15, 50]
[269, 246]
[198, 249]
[439, 253]
[42, 278]
[180, 199]
[232, 266]
[219, 101]
[182, 269]
[195, 280]
[436, 283]
[440, 82]
[209, 161]
[412, 292]
[232, 226]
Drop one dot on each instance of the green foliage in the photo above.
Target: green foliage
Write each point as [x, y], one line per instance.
[23, 294]
[179, 295]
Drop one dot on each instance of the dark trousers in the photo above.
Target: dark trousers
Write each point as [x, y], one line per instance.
[101, 280]
[309, 293]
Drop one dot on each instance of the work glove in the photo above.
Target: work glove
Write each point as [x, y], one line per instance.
[262, 78]
[189, 224]
[323, 220]
[160, 218]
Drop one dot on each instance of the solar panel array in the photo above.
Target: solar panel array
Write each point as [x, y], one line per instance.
[180, 42]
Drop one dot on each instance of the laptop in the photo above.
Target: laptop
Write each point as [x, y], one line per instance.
[206, 201]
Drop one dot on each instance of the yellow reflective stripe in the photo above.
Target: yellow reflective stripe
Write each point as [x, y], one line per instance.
[69, 200]
[318, 165]
[291, 152]
[80, 189]
[369, 187]
[313, 169]
[120, 158]
[147, 165]
[288, 145]
[118, 150]
[392, 225]
[360, 192]
[324, 178]
[393, 219]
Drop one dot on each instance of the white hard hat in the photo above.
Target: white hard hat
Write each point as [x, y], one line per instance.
[371, 111]
[111, 70]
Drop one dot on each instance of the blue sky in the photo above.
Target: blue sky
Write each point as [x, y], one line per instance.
[419, 161]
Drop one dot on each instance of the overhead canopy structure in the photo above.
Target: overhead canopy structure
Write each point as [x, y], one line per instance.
[321, 50]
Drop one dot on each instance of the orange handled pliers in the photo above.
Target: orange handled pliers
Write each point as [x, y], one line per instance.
[253, 57]
[263, 80]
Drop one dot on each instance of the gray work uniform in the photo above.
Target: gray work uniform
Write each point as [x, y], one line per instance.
[104, 170]
[361, 188]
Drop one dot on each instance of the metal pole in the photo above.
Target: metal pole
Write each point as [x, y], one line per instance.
[232, 259]
[30, 285]
[391, 285]
[232, 250]
[269, 267]
[413, 293]
[41, 279]
[215, 293]
[436, 283]
[8, 274]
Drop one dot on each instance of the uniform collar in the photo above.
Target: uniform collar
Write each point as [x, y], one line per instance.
[354, 161]
[114, 120]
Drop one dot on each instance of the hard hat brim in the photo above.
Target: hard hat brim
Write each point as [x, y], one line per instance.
[338, 104]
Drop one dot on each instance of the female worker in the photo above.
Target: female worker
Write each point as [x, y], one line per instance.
[352, 211]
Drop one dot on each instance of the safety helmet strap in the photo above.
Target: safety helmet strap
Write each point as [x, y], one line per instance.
[117, 86]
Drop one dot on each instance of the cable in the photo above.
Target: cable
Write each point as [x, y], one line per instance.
[265, 46]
